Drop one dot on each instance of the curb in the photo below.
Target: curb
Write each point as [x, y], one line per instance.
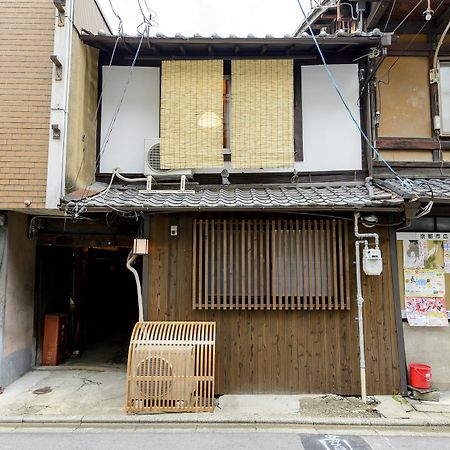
[210, 421]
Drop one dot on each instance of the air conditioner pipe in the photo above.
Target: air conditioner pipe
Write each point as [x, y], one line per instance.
[130, 260]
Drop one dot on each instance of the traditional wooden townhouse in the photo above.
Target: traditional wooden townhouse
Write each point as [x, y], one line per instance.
[410, 108]
[237, 161]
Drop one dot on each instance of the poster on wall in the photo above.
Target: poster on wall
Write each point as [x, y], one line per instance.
[414, 251]
[446, 246]
[434, 258]
[424, 283]
[426, 311]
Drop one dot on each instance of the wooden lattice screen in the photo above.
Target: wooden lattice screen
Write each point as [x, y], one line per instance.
[270, 264]
[171, 367]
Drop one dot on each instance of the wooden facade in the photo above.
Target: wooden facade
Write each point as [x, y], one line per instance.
[280, 351]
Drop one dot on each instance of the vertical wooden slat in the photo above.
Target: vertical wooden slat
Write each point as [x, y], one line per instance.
[268, 270]
[261, 264]
[286, 264]
[213, 264]
[232, 266]
[200, 265]
[346, 267]
[292, 260]
[243, 265]
[323, 265]
[279, 267]
[335, 275]
[255, 264]
[341, 266]
[225, 266]
[239, 300]
[249, 265]
[330, 275]
[310, 265]
[316, 264]
[219, 258]
[274, 265]
[206, 297]
[194, 263]
[297, 261]
[304, 271]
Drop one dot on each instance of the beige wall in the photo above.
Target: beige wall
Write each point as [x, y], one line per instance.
[82, 122]
[26, 43]
[407, 155]
[405, 98]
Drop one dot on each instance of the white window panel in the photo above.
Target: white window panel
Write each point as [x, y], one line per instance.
[444, 91]
[138, 118]
[331, 140]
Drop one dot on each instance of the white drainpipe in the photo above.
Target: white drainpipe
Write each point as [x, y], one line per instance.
[362, 239]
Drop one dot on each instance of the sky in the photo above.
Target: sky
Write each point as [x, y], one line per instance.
[205, 17]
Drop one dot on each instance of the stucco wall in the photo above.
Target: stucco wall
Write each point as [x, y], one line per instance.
[429, 346]
[82, 123]
[18, 300]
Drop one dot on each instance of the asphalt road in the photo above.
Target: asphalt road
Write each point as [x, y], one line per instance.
[219, 440]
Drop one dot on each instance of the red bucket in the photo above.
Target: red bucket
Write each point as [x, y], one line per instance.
[420, 375]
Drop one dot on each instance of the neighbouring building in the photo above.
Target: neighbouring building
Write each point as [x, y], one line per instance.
[409, 89]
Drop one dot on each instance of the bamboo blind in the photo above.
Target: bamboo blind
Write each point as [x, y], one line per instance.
[191, 114]
[270, 264]
[262, 110]
[171, 367]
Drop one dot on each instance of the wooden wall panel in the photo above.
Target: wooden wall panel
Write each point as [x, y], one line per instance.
[261, 351]
[25, 88]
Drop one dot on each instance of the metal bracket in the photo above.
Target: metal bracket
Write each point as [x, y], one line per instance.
[59, 5]
[56, 131]
[58, 67]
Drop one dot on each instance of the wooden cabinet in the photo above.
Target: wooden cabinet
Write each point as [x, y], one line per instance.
[55, 331]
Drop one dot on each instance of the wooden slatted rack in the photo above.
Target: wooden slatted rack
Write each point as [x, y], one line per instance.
[171, 367]
[270, 264]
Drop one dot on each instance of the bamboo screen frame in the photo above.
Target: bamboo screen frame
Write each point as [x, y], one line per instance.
[178, 370]
[270, 264]
[262, 113]
[191, 114]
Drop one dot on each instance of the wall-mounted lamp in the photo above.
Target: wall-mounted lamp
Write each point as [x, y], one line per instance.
[428, 13]
[140, 246]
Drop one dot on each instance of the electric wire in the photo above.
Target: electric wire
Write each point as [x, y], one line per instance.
[390, 15]
[406, 17]
[404, 182]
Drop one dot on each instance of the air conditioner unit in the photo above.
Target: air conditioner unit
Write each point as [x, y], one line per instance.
[163, 375]
[152, 163]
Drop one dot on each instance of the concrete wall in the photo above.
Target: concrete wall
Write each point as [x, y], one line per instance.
[17, 256]
[419, 345]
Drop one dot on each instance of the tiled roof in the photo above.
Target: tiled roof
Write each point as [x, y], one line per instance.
[426, 188]
[239, 197]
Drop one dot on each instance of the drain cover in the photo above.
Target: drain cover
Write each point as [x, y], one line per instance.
[42, 390]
